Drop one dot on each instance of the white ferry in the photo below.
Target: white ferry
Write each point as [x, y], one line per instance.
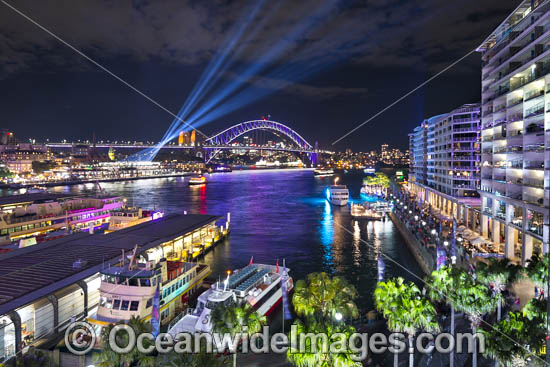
[128, 290]
[257, 284]
[338, 195]
[322, 172]
[37, 215]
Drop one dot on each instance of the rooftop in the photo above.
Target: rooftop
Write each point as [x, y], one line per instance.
[34, 272]
[30, 198]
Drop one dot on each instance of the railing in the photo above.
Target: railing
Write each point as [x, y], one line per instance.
[515, 149]
[534, 128]
[533, 199]
[534, 183]
[515, 102]
[534, 148]
[533, 94]
[534, 111]
[515, 117]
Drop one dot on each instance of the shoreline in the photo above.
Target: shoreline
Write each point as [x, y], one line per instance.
[81, 182]
[413, 245]
[122, 179]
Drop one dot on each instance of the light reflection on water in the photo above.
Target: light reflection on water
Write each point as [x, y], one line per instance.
[278, 215]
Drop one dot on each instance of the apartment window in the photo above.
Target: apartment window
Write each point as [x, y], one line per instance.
[125, 305]
[134, 305]
[534, 222]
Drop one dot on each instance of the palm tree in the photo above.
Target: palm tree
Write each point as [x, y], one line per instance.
[318, 300]
[109, 358]
[322, 296]
[500, 340]
[236, 319]
[475, 300]
[315, 352]
[405, 310]
[440, 281]
[498, 274]
[194, 359]
[537, 271]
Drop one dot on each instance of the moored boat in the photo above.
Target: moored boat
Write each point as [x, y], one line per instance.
[259, 285]
[337, 195]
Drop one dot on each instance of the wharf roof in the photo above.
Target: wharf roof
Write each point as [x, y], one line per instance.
[33, 272]
[31, 198]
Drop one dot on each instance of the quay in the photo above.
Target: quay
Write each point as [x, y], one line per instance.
[423, 258]
[45, 287]
[95, 180]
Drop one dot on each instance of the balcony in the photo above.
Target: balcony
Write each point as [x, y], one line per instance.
[539, 184]
[534, 128]
[515, 117]
[538, 148]
[536, 200]
[515, 149]
[534, 94]
[534, 111]
[515, 102]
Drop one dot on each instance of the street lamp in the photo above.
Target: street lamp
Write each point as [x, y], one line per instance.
[423, 223]
[338, 316]
[416, 217]
[445, 243]
[434, 231]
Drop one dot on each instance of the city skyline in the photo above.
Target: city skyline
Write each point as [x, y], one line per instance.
[79, 99]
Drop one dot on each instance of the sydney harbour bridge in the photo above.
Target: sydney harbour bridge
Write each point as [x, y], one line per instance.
[208, 148]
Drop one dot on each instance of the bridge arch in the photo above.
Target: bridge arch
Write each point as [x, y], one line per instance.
[230, 134]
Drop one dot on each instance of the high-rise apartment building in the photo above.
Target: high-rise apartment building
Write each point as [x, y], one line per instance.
[453, 152]
[445, 162]
[418, 151]
[515, 173]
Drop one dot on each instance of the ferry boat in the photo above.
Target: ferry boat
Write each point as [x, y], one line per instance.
[197, 180]
[130, 216]
[35, 215]
[223, 169]
[256, 284]
[321, 172]
[362, 211]
[128, 290]
[338, 195]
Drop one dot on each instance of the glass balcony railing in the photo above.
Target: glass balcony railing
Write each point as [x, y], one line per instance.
[539, 184]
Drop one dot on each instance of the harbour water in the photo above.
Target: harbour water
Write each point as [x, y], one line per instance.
[279, 214]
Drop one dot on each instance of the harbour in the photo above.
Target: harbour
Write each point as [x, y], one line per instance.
[264, 206]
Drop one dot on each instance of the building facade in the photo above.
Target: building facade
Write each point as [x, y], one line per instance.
[418, 152]
[515, 173]
[453, 152]
[445, 164]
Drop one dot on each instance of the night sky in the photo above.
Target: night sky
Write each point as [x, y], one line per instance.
[322, 67]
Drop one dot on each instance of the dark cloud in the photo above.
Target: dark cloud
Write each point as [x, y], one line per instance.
[360, 49]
